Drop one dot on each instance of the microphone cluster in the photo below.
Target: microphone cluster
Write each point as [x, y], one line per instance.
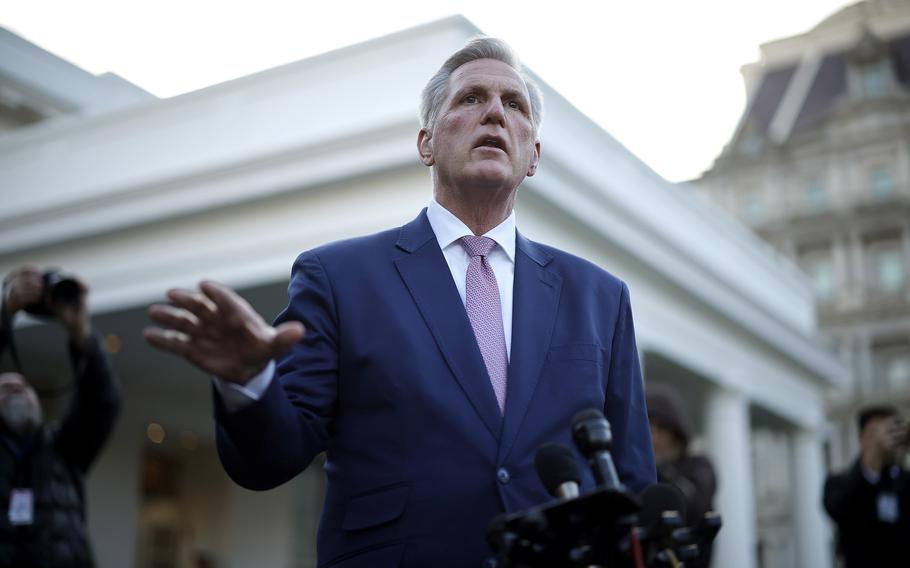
[607, 527]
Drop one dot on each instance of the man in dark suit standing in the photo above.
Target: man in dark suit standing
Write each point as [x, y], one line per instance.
[870, 502]
[429, 361]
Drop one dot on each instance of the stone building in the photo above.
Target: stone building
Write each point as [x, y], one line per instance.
[819, 166]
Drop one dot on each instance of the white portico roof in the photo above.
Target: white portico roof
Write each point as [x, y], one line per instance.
[54, 87]
[116, 190]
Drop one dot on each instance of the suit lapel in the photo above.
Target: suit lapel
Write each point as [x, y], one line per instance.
[536, 296]
[429, 280]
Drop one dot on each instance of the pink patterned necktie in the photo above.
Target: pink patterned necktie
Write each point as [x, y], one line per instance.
[485, 312]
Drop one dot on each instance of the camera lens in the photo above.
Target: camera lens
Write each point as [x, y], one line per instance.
[65, 291]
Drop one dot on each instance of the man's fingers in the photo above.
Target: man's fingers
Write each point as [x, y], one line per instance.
[194, 302]
[286, 335]
[26, 271]
[180, 344]
[236, 313]
[175, 318]
[25, 287]
[226, 300]
[168, 340]
[30, 292]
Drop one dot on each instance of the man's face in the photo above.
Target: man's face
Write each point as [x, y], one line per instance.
[882, 434]
[666, 446]
[19, 406]
[483, 137]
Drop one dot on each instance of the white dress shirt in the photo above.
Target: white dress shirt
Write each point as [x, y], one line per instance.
[448, 230]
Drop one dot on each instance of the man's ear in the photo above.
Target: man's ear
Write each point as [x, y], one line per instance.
[425, 147]
[535, 159]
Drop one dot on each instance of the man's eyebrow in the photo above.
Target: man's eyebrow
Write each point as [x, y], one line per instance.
[473, 87]
[481, 88]
[515, 93]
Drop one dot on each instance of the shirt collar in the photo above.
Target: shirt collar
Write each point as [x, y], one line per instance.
[448, 228]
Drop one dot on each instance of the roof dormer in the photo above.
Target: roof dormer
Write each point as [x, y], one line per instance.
[870, 72]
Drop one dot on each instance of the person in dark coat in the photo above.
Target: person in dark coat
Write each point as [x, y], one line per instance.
[42, 467]
[870, 501]
[671, 432]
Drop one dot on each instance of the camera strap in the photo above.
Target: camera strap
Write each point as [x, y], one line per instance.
[6, 331]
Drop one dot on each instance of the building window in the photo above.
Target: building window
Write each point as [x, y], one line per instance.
[897, 370]
[890, 271]
[752, 144]
[881, 182]
[874, 79]
[886, 272]
[818, 265]
[753, 207]
[816, 195]
[892, 365]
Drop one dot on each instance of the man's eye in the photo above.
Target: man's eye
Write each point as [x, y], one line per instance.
[515, 105]
[471, 99]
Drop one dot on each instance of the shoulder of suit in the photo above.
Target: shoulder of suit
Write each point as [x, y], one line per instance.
[356, 246]
[563, 261]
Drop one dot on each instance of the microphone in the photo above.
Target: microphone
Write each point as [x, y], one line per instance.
[703, 535]
[557, 468]
[658, 499]
[593, 437]
[662, 510]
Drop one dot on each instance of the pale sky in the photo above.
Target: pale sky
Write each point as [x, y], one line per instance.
[662, 76]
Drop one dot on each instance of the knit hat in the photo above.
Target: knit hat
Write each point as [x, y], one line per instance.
[667, 410]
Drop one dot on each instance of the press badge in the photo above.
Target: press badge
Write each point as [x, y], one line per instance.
[887, 508]
[21, 507]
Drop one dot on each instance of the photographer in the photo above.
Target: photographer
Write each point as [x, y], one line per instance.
[671, 432]
[42, 508]
[870, 502]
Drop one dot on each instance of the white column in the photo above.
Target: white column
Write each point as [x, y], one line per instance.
[813, 534]
[729, 443]
[113, 498]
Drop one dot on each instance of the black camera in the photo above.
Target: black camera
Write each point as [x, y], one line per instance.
[59, 289]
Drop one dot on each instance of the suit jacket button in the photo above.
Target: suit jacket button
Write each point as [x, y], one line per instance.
[503, 475]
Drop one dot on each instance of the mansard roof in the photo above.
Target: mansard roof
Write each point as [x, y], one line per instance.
[828, 86]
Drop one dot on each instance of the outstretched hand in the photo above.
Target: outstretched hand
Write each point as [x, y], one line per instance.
[219, 332]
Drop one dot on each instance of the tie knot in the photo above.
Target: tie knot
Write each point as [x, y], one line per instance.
[477, 246]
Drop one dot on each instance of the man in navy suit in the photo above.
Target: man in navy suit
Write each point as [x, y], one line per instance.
[428, 362]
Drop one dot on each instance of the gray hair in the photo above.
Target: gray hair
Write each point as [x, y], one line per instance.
[436, 89]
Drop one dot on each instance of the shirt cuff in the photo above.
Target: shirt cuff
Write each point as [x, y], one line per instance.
[236, 397]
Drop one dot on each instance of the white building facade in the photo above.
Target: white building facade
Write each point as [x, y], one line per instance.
[231, 182]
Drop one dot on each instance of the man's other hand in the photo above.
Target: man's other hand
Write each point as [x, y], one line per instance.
[24, 287]
[219, 332]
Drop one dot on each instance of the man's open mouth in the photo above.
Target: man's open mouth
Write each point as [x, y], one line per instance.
[492, 142]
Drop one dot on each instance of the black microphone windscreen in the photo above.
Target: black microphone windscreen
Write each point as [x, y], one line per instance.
[556, 464]
[591, 432]
[656, 499]
[587, 414]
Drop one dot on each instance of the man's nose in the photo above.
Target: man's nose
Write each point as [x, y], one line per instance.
[494, 112]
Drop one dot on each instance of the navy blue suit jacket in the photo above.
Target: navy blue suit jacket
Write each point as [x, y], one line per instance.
[390, 383]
